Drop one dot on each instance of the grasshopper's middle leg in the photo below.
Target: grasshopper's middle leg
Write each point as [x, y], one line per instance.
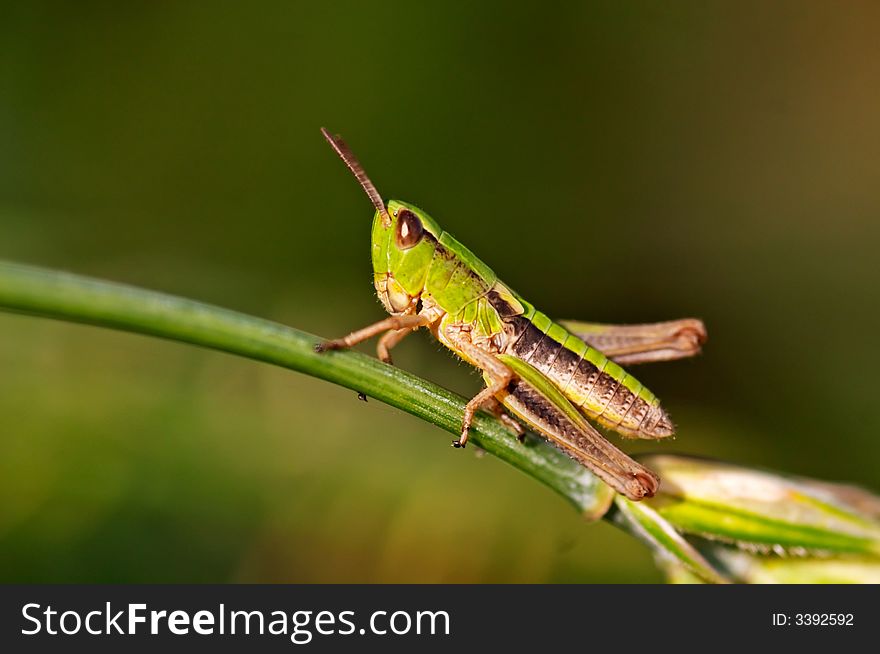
[394, 325]
[500, 374]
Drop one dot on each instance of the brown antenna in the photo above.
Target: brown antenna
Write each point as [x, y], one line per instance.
[355, 167]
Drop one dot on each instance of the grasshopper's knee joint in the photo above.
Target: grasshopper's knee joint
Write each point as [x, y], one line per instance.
[693, 333]
[645, 485]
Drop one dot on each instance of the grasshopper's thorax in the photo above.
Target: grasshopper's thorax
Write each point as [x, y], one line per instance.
[484, 321]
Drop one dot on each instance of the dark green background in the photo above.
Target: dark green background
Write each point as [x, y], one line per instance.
[612, 161]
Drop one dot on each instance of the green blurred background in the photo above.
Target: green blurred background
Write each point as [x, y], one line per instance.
[612, 161]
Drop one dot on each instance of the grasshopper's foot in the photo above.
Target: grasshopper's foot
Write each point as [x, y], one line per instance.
[386, 358]
[326, 346]
[461, 441]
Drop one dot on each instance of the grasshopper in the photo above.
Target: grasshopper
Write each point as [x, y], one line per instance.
[553, 376]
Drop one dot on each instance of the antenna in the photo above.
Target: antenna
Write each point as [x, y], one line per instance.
[355, 167]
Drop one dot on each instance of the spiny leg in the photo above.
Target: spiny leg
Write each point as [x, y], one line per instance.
[632, 344]
[390, 323]
[390, 339]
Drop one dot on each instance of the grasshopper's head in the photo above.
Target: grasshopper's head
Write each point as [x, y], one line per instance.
[403, 241]
[402, 252]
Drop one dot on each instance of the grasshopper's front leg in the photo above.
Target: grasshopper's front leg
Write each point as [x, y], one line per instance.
[396, 328]
[389, 340]
[632, 344]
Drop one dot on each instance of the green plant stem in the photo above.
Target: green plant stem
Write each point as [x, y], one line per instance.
[51, 294]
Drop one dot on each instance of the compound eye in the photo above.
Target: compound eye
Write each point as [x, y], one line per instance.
[409, 229]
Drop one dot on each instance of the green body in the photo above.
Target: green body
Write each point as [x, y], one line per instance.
[438, 276]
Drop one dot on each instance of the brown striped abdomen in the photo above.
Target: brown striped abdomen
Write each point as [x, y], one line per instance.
[601, 389]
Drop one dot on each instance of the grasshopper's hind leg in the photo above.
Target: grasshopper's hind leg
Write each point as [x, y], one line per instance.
[392, 324]
[632, 344]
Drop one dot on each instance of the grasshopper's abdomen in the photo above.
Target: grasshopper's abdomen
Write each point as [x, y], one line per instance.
[602, 389]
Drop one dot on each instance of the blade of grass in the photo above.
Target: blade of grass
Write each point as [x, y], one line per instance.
[63, 296]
